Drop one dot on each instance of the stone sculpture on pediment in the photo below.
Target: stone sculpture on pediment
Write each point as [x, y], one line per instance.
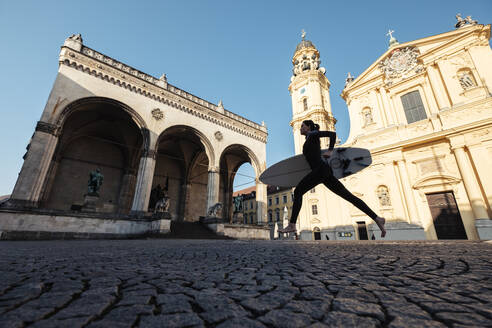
[401, 63]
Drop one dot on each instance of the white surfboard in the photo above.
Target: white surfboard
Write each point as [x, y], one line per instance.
[344, 161]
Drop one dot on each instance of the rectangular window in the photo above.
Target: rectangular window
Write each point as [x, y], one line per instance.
[276, 200]
[314, 209]
[413, 107]
[313, 190]
[251, 205]
[284, 198]
[269, 202]
[304, 104]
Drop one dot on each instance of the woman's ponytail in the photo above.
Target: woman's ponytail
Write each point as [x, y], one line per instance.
[312, 126]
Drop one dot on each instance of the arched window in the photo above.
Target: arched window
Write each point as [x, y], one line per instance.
[304, 103]
[277, 214]
[383, 195]
[413, 107]
[270, 216]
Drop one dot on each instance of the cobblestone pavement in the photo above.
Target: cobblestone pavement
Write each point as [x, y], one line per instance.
[227, 283]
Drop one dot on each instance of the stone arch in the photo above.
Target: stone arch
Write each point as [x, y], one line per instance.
[95, 132]
[231, 158]
[209, 149]
[183, 157]
[77, 104]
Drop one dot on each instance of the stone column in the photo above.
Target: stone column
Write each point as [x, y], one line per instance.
[470, 182]
[213, 187]
[127, 187]
[143, 186]
[409, 200]
[261, 202]
[28, 188]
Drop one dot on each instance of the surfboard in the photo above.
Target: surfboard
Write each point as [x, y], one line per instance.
[344, 162]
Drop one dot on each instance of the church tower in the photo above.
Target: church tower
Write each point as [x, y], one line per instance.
[310, 93]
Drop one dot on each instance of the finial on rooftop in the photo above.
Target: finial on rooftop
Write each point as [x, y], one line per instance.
[349, 78]
[303, 34]
[392, 42]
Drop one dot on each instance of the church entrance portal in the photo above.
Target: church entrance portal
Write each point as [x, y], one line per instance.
[446, 217]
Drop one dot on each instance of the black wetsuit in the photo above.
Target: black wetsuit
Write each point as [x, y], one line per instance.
[321, 172]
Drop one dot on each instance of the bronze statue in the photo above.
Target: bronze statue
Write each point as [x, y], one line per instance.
[95, 182]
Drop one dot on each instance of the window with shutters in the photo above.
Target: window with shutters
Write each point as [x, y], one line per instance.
[413, 107]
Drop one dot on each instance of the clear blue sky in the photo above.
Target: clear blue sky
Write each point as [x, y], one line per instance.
[237, 51]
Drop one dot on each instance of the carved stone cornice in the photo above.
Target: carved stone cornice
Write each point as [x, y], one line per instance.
[112, 71]
[46, 128]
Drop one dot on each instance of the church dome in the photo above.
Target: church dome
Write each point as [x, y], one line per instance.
[304, 44]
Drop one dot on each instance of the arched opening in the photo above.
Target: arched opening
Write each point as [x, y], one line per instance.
[317, 233]
[96, 133]
[237, 171]
[181, 171]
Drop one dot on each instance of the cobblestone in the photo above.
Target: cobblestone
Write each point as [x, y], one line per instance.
[226, 283]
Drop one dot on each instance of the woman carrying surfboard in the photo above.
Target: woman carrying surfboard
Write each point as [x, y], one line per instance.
[321, 172]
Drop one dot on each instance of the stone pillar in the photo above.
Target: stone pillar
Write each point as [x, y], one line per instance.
[28, 188]
[213, 187]
[127, 187]
[470, 182]
[261, 202]
[143, 186]
[409, 200]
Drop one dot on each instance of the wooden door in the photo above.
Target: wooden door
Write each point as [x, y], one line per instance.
[361, 226]
[446, 216]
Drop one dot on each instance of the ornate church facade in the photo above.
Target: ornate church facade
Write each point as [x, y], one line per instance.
[424, 110]
[142, 133]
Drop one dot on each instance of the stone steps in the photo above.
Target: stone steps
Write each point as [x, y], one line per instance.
[191, 230]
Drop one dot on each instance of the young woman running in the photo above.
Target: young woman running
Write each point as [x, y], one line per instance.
[321, 172]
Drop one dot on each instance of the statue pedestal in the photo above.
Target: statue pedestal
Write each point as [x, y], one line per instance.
[237, 217]
[90, 203]
[162, 216]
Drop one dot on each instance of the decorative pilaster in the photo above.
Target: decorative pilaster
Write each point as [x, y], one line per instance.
[470, 181]
[390, 110]
[143, 186]
[436, 85]
[28, 188]
[213, 187]
[407, 193]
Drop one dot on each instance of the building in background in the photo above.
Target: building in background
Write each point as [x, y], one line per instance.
[143, 135]
[424, 110]
[279, 201]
